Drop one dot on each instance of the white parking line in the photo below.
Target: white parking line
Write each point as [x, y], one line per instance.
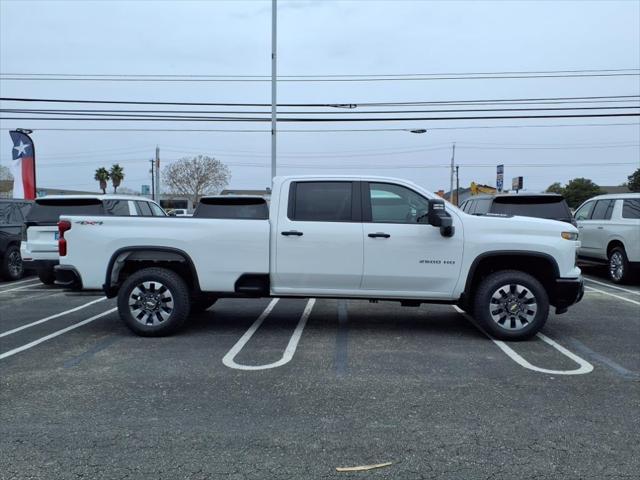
[612, 286]
[18, 288]
[228, 359]
[11, 284]
[55, 334]
[38, 322]
[584, 366]
[614, 295]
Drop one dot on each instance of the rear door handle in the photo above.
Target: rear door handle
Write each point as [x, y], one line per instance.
[600, 228]
[292, 233]
[379, 235]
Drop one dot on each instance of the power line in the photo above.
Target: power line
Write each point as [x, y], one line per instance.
[342, 130]
[316, 105]
[325, 120]
[155, 113]
[330, 78]
[510, 72]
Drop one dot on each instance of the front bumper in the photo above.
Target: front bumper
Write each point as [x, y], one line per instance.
[568, 291]
[68, 276]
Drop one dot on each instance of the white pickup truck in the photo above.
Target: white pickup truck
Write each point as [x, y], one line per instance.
[328, 236]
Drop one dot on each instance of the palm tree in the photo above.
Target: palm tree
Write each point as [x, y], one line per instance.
[102, 176]
[117, 175]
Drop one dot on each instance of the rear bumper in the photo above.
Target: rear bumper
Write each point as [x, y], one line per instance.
[68, 276]
[568, 291]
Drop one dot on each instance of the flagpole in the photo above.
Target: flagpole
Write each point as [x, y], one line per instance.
[274, 38]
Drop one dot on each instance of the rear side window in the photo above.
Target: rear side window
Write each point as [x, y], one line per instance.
[238, 208]
[551, 207]
[602, 210]
[482, 206]
[321, 201]
[49, 210]
[117, 207]
[631, 208]
[143, 209]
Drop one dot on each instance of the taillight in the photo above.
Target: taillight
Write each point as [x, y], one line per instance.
[63, 226]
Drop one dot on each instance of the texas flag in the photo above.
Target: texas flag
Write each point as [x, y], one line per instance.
[23, 166]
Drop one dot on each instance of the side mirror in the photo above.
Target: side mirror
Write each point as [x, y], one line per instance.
[439, 217]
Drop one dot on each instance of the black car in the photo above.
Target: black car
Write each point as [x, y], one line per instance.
[540, 205]
[12, 216]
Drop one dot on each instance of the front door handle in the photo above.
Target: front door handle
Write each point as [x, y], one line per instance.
[600, 228]
[292, 233]
[379, 235]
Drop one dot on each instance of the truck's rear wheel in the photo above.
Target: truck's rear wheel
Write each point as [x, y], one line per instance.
[47, 276]
[154, 302]
[511, 305]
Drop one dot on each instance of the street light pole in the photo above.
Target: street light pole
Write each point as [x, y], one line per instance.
[453, 159]
[274, 38]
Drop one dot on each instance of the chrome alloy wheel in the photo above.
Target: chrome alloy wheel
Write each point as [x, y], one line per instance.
[150, 303]
[513, 306]
[616, 266]
[15, 264]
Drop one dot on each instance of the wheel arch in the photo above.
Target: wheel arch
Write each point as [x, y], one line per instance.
[127, 260]
[540, 265]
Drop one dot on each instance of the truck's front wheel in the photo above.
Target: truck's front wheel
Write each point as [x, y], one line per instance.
[511, 305]
[154, 302]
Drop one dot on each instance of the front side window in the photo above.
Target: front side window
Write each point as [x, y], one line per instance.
[156, 210]
[396, 204]
[482, 206]
[602, 210]
[322, 202]
[631, 208]
[584, 212]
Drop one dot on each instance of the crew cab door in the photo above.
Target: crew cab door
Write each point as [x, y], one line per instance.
[402, 257]
[318, 239]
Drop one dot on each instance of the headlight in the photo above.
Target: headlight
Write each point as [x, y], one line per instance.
[569, 235]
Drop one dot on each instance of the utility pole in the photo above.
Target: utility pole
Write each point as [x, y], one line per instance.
[453, 159]
[157, 186]
[153, 181]
[457, 185]
[274, 38]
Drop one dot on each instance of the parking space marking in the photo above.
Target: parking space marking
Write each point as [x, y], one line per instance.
[614, 295]
[228, 359]
[51, 317]
[584, 366]
[635, 292]
[617, 368]
[11, 284]
[17, 288]
[55, 334]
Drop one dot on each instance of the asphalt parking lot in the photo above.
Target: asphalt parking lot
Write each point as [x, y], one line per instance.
[262, 389]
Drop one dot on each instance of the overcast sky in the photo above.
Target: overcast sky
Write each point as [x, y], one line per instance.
[325, 37]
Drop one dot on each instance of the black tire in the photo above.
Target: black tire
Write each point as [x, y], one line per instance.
[12, 267]
[202, 303]
[161, 302]
[47, 276]
[618, 267]
[511, 305]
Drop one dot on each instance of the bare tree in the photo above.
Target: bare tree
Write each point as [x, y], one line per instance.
[5, 173]
[195, 177]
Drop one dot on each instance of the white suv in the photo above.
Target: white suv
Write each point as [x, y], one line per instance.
[39, 247]
[610, 231]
